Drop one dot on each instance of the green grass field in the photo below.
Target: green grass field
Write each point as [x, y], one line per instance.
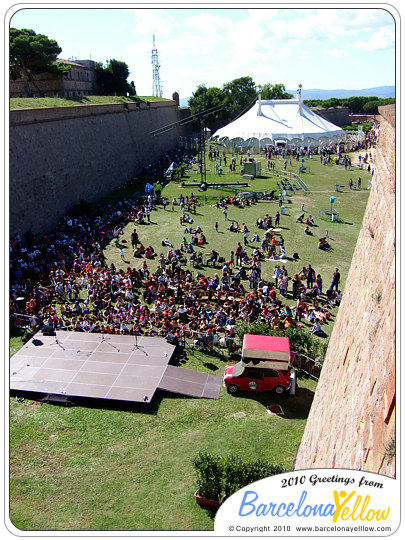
[105, 469]
[88, 468]
[40, 103]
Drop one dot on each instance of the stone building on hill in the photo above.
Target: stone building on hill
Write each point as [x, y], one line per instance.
[80, 81]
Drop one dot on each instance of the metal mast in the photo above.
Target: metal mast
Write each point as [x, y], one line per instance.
[201, 148]
[157, 87]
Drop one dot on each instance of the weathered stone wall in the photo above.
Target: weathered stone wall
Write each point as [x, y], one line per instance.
[352, 418]
[59, 156]
[339, 116]
[386, 136]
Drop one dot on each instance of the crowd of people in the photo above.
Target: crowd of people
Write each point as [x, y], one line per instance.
[63, 279]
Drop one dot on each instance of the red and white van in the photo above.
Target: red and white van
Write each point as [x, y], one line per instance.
[264, 366]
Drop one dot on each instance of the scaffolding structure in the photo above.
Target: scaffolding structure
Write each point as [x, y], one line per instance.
[157, 85]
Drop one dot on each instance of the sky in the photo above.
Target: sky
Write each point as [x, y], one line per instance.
[330, 48]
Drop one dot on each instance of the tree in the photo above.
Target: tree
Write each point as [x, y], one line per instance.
[31, 54]
[332, 103]
[371, 107]
[213, 98]
[239, 95]
[275, 91]
[113, 77]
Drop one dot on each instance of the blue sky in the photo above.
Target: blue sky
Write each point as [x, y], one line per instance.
[329, 48]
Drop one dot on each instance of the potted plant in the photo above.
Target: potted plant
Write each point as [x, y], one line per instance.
[208, 470]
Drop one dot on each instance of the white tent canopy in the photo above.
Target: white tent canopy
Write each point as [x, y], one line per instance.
[269, 122]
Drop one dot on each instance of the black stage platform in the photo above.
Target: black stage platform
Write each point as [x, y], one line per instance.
[112, 367]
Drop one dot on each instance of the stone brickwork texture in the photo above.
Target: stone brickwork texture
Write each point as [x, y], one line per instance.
[59, 156]
[352, 419]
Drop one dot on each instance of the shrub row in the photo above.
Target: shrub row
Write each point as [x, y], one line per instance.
[218, 477]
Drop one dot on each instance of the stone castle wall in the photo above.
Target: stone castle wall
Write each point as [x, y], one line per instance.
[61, 155]
[338, 116]
[352, 419]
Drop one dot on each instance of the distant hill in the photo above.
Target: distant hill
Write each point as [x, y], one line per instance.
[316, 93]
[378, 91]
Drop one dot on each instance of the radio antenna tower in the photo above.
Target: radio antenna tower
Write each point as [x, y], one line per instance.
[157, 86]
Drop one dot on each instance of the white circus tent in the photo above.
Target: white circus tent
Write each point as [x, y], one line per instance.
[288, 121]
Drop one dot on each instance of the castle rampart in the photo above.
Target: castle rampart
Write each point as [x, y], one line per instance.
[61, 155]
[352, 419]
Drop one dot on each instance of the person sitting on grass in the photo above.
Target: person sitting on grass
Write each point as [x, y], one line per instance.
[323, 244]
[316, 329]
[300, 218]
[309, 221]
[149, 253]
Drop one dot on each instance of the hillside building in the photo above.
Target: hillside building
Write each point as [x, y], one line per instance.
[80, 81]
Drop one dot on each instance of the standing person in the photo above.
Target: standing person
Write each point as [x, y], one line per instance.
[226, 212]
[310, 277]
[245, 235]
[280, 199]
[335, 280]
[216, 226]
[296, 282]
[122, 253]
[164, 202]
[162, 262]
[134, 239]
[277, 219]
[359, 182]
[238, 254]
[319, 283]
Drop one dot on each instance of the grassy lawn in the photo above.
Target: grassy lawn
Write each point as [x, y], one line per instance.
[85, 468]
[91, 468]
[39, 103]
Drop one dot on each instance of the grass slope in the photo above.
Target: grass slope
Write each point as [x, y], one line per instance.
[39, 103]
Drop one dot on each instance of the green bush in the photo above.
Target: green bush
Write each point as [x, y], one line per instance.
[157, 189]
[219, 477]
[300, 341]
[208, 470]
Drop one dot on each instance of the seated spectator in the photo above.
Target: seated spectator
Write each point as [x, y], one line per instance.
[213, 256]
[316, 329]
[323, 244]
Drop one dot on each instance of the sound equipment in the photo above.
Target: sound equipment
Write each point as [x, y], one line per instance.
[172, 339]
[48, 330]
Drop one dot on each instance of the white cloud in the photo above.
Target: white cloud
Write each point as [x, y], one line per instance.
[338, 53]
[216, 46]
[153, 21]
[379, 41]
